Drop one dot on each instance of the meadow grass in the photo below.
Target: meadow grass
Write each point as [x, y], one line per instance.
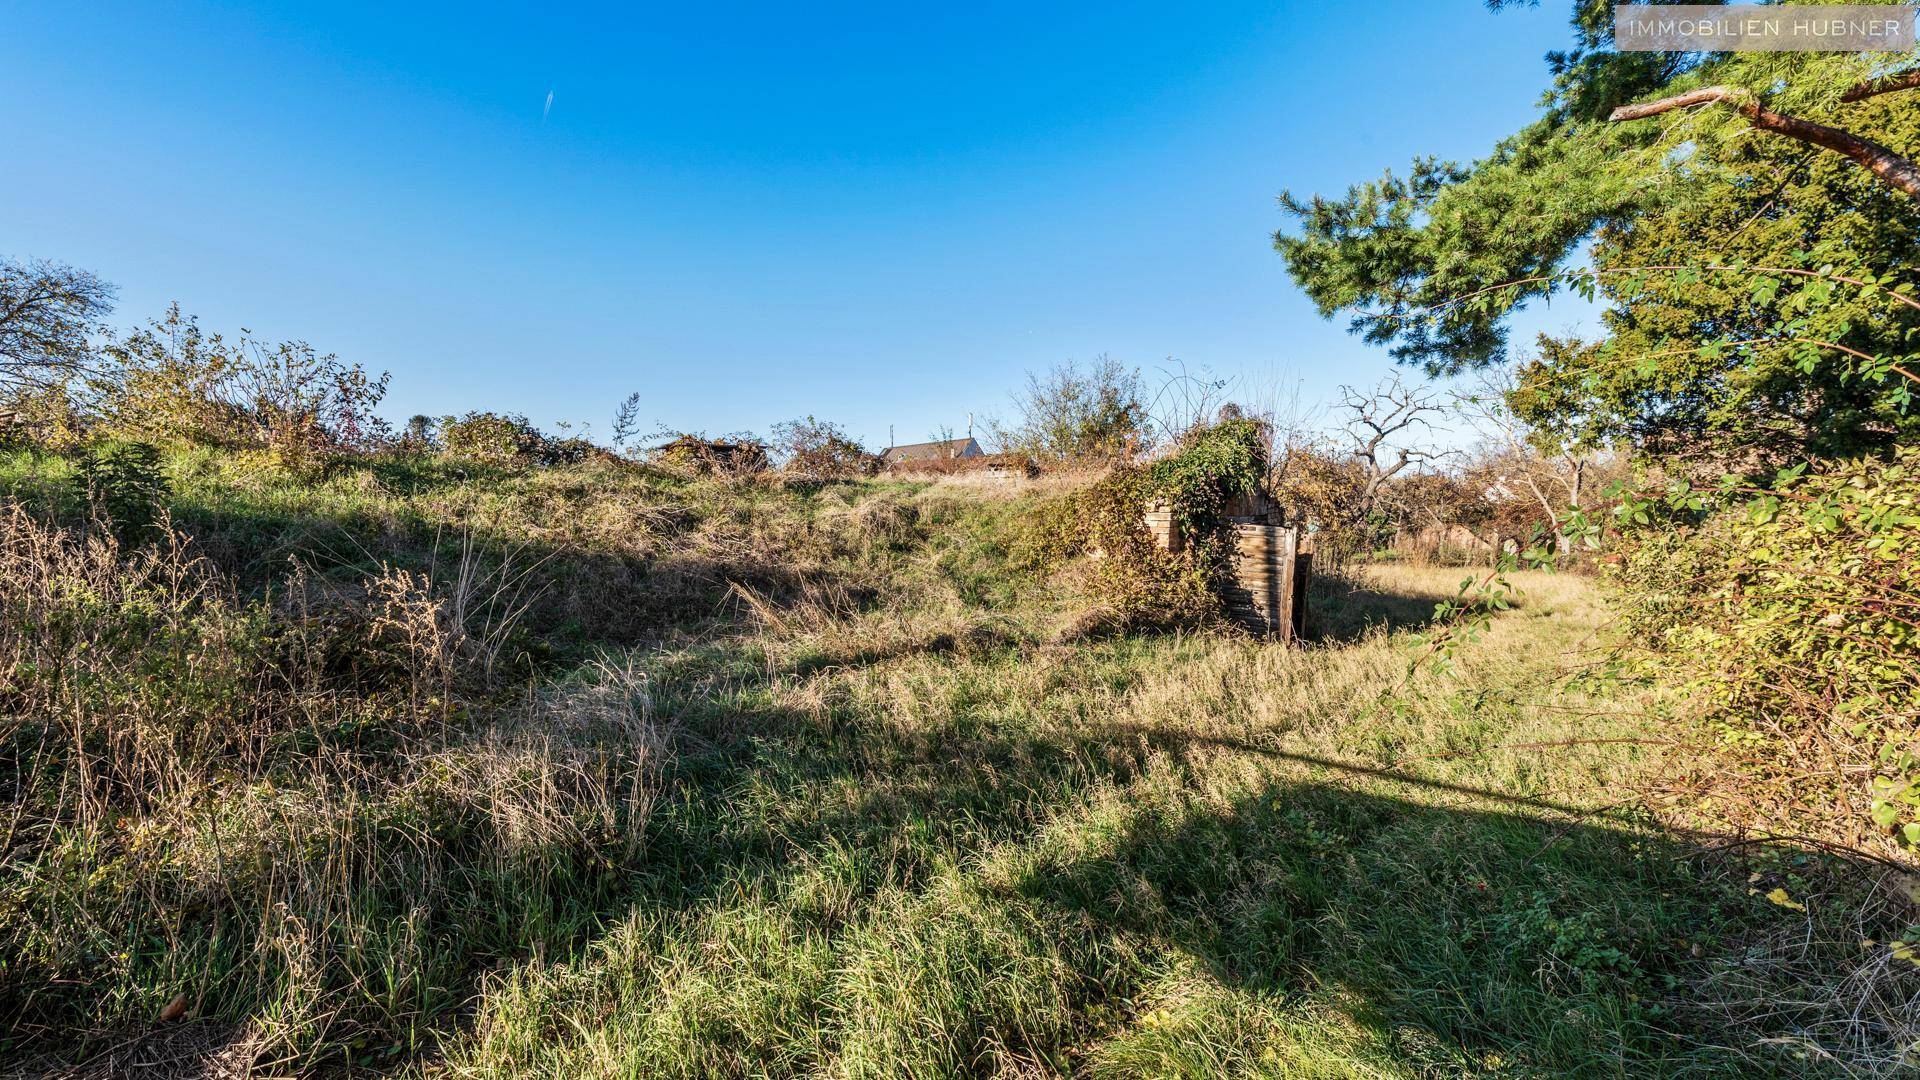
[1179, 855]
[772, 780]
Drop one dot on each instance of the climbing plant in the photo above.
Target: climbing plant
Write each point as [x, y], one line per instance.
[1209, 467]
[1790, 613]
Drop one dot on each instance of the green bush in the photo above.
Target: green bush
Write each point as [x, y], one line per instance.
[1794, 621]
[122, 485]
[508, 439]
[173, 383]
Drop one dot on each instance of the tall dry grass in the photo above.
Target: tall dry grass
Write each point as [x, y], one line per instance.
[313, 810]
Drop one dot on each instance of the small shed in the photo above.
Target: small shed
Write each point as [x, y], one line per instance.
[1266, 586]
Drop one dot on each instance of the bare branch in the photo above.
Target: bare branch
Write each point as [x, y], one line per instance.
[1704, 96]
[1375, 417]
[46, 312]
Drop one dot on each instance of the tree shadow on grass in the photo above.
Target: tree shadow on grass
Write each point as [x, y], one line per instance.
[1344, 606]
[1528, 935]
[1468, 940]
[569, 601]
[1515, 936]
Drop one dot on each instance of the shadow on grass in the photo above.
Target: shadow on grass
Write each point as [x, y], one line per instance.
[1344, 606]
[570, 601]
[1528, 936]
[1524, 937]
[1456, 938]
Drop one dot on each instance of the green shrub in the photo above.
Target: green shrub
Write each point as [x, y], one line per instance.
[122, 485]
[173, 383]
[509, 439]
[491, 437]
[1795, 623]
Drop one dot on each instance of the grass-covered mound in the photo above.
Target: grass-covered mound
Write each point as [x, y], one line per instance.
[604, 770]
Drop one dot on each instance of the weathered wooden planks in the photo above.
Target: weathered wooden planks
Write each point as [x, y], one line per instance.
[1268, 593]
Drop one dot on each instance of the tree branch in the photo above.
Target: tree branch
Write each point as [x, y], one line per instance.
[1898, 171]
[1886, 84]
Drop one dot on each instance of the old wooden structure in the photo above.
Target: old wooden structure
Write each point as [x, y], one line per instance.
[1271, 563]
[712, 455]
[1268, 591]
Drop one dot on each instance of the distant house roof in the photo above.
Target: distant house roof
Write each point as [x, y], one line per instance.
[944, 450]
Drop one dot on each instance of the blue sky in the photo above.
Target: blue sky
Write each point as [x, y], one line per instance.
[871, 213]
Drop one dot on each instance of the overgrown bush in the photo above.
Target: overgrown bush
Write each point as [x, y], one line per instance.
[491, 437]
[733, 457]
[1141, 582]
[172, 382]
[45, 416]
[1794, 623]
[1323, 487]
[1080, 416]
[821, 448]
[279, 810]
[508, 439]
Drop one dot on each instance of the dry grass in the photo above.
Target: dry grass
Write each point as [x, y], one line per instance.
[1050, 483]
[843, 802]
[276, 810]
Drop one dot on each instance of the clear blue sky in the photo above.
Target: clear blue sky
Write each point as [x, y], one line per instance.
[878, 214]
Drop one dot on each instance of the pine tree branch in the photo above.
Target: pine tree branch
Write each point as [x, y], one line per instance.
[1897, 171]
[1886, 84]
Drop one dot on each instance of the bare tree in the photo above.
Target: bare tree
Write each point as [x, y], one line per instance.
[1515, 458]
[1378, 424]
[47, 311]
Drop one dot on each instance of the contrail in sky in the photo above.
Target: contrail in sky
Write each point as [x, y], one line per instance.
[547, 108]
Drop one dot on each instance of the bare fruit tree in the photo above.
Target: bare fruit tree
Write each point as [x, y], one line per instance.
[1381, 425]
[1514, 457]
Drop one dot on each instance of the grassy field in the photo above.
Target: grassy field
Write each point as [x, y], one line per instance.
[598, 772]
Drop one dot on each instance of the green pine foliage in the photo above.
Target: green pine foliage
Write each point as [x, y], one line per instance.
[1701, 357]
